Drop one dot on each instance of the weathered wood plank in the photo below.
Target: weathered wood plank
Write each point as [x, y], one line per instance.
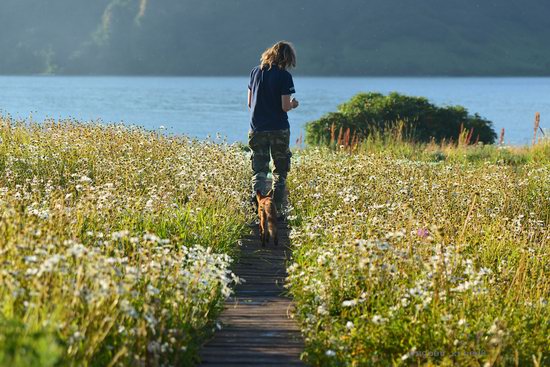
[256, 326]
[248, 363]
[256, 359]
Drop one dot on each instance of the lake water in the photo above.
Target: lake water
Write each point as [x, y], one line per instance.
[202, 106]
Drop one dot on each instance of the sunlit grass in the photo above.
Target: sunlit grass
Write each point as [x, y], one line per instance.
[114, 243]
[403, 259]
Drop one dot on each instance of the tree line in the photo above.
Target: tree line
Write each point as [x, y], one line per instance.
[225, 37]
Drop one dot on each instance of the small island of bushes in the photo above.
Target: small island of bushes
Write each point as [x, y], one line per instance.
[416, 119]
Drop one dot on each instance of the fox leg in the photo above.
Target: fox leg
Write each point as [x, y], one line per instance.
[262, 233]
[272, 230]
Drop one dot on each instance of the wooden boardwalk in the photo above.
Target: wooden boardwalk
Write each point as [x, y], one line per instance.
[256, 327]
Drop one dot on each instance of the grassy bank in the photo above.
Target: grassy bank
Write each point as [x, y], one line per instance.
[114, 243]
[411, 254]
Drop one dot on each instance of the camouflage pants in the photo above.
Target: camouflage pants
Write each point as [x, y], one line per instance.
[262, 144]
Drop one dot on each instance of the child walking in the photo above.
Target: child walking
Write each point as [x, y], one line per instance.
[269, 99]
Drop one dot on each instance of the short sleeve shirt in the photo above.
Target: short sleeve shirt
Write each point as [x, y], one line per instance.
[267, 87]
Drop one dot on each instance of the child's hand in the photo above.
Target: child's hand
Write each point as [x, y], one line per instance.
[295, 103]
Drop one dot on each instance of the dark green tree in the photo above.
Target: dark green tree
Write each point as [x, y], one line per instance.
[226, 37]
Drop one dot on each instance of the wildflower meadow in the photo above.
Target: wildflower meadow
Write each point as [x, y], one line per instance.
[115, 243]
[404, 258]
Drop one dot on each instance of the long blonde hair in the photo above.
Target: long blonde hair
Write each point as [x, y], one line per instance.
[281, 54]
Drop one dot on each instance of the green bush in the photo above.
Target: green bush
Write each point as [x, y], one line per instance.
[20, 347]
[421, 121]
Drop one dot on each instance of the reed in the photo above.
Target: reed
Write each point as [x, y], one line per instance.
[501, 138]
[536, 127]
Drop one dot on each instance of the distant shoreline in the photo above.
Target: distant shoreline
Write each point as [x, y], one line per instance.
[200, 105]
[296, 74]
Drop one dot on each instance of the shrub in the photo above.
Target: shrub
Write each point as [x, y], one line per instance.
[368, 113]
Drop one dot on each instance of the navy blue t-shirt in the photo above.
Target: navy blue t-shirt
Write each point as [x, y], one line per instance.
[266, 109]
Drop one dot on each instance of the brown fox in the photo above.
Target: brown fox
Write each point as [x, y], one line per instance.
[268, 217]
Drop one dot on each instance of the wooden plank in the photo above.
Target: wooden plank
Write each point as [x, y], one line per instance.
[274, 323]
[241, 364]
[259, 354]
[259, 360]
[265, 354]
[234, 331]
[247, 363]
[275, 280]
[257, 334]
[281, 315]
[254, 340]
[256, 315]
[256, 327]
[281, 312]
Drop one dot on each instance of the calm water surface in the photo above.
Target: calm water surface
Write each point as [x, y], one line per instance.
[203, 106]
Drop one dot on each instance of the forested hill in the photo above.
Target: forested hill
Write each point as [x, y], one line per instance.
[226, 37]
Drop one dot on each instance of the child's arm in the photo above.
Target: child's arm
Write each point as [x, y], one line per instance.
[288, 103]
[249, 98]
